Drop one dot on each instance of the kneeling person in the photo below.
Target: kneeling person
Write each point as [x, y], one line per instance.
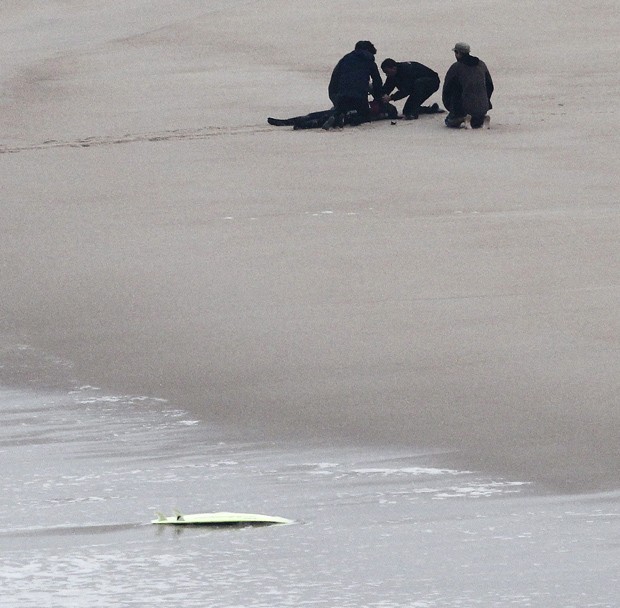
[412, 80]
[467, 89]
[348, 86]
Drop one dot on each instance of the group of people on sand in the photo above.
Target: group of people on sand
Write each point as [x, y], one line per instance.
[466, 92]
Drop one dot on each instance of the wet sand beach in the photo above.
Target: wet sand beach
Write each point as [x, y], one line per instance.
[403, 338]
[402, 286]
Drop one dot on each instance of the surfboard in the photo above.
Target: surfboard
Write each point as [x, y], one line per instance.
[221, 518]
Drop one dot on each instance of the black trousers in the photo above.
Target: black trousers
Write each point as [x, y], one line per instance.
[454, 121]
[346, 104]
[457, 113]
[423, 88]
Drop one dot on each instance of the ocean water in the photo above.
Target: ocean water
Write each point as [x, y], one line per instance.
[85, 470]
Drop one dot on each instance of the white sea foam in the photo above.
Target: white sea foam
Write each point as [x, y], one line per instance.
[416, 471]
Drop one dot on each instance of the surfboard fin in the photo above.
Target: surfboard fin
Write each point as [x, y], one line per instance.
[179, 515]
[160, 516]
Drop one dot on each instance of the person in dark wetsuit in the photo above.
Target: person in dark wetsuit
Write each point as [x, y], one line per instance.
[412, 80]
[467, 89]
[377, 111]
[348, 86]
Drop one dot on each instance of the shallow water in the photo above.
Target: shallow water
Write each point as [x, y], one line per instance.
[85, 472]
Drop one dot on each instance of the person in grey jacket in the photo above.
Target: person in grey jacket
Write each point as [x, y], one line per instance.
[467, 89]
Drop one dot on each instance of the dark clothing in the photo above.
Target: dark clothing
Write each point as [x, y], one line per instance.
[358, 105]
[314, 120]
[407, 74]
[467, 88]
[422, 90]
[413, 80]
[352, 75]
[318, 117]
[348, 86]
[454, 121]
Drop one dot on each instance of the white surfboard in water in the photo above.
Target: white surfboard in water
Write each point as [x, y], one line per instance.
[219, 519]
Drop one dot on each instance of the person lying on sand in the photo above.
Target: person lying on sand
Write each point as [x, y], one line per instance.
[314, 120]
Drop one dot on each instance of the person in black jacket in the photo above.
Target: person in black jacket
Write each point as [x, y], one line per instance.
[412, 80]
[348, 86]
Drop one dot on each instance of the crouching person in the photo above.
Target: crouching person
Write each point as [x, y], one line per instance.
[412, 80]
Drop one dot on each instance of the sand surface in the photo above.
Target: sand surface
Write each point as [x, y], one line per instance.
[387, 284]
